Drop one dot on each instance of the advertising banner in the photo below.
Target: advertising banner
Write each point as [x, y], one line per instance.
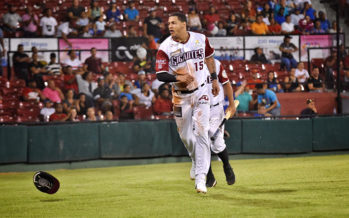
[85, 44]
[315, 41]
[124, 49]
[39, 43]
[270, 46]
[228, 48]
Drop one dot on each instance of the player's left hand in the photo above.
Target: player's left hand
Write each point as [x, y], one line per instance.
[215, 87]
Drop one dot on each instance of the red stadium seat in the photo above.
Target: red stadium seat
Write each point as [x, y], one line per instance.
[142, 113]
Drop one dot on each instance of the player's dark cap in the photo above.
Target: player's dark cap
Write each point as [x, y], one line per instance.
[259, 86]
[288, 37]
[45, 182]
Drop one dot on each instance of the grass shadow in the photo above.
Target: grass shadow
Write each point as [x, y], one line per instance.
[52, 200]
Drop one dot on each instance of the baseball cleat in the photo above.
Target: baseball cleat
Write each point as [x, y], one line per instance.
[201, 188]
[210, 181]
[229, 175]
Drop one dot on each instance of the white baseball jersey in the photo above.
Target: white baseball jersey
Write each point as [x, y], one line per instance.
[222, 79]
[181, 58]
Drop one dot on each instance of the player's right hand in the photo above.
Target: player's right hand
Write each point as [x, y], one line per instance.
[185, 79]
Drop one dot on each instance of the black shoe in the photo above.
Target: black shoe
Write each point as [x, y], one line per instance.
[229, 175]
[210, 180]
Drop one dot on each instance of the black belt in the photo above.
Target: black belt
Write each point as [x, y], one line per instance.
[188, 91]
[215, 105]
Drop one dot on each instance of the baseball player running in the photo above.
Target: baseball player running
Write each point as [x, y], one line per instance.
[183, 59]
[216, 116]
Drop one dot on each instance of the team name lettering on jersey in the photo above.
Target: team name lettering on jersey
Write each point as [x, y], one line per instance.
[195, 54]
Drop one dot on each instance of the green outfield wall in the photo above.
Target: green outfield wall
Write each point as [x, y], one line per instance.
[143, 139]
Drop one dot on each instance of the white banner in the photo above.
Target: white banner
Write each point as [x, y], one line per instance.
[39, 43]
[232, 44]
[270, 46]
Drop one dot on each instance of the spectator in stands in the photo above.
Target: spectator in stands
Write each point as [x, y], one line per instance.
[291, 83]
[282, 4]
[301, 74]
[325, 24]
[259, 27]
[86, 85]
[259, 57]
[91, 114]
[245, 98]
[211, 19]
[274, 27]
[102, 94]
[131, 13]
[315, 83]
[131, 32]
[251, 11]
[111, 82]
[94, 63]
[121, 82]
[21, 63]
[334, 27]
[309, 11]
[70, 79]
[287, 27]
[330, 67]
[113, 13]
[296, 17]
[48, 24]
[11, 20]
[194, 23]
[75, 11]
[300, 3]
[69, 102]
[306, 25]
[47, 110]
[146, 97]
[82, 104]
[100, 26]
[53, 67]
[73, 61]
[67, 29]
[142, 79]
[2, 48]
[126, 108]
[310, 110]
[32, 93]
[127, 92]
[232, 24]
[153, 25]
[83, 20]
[317, 28]
[112, 32]
[279, 17]
[94, 11]
[36, 71]
[287, 48]
[52, 92]
[58, 115]
[163, 104]
[346, 79]
[221, 29]
[73, 115]
[273, 83]
[30, 23]
[142, 62]
[86, 33]
[267, 11]
[254, 80]
[109, 116]
[272, 4]
[269, 98]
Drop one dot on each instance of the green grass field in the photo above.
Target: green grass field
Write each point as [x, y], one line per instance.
[275, 187]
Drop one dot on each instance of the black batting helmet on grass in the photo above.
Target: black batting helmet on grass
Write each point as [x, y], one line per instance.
[45, 182]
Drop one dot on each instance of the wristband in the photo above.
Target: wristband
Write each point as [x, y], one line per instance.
[213, 76]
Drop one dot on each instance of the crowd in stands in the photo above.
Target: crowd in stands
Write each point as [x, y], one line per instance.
[74, 91]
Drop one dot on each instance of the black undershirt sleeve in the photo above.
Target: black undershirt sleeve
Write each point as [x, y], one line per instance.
[166, 77]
